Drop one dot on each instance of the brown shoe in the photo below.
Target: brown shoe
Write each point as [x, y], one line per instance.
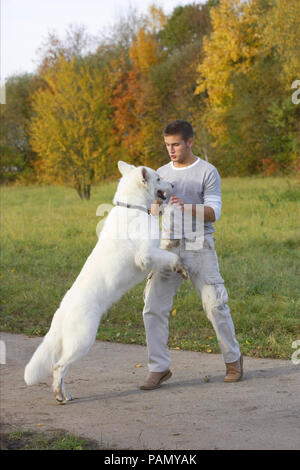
[154, 379]
[234, 370]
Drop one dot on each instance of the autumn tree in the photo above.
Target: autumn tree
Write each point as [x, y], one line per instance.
[17, 155]
[174, 77]
[241, 76]
[72, 129]
[76, 43]
[136, 108]
[281, 32]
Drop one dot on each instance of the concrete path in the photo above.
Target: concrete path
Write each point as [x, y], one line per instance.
[194, 410]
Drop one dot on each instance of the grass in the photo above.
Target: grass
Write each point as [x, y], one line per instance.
[48, 232]
[52, 440]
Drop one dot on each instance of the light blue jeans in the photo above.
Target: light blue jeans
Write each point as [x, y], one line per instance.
[161, 286]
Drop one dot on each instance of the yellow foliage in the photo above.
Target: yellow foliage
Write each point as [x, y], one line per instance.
[144, 51]
[282, 32]
[71, 130]
[235, 41]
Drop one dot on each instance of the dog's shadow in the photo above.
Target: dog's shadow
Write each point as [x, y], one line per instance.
[197, 382]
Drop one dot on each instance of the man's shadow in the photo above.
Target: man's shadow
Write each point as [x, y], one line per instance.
[200, 381]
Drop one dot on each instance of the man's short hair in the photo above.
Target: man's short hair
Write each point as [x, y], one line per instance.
[183, 128]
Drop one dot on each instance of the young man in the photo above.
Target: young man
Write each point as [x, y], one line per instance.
[197, 192]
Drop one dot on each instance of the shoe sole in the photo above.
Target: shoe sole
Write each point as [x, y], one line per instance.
[153, 387]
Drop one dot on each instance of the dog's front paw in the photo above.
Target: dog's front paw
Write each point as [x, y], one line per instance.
[178, 268]
[142, 262]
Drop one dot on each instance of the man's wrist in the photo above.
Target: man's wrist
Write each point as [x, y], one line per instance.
[200, 211]
[155, 209]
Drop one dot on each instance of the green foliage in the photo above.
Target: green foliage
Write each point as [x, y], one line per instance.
[185, 26]
[15, 149]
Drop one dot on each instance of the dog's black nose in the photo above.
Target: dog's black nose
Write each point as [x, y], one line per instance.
[172, 185]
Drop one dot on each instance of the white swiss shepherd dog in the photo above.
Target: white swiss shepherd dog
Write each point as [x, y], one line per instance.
[120, 260]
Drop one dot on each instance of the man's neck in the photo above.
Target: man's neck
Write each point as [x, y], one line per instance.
[186, 162]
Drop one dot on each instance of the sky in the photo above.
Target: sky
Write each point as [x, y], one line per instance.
[25, 24]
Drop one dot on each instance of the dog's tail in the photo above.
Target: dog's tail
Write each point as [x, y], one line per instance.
[42, 361]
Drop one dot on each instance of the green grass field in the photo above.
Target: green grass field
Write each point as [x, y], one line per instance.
[48, 232]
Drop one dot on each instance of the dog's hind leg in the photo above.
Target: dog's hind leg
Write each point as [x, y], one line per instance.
[59, 372]
[73, 351]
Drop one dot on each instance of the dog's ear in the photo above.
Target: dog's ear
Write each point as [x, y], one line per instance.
[145, 176]
[125, 168]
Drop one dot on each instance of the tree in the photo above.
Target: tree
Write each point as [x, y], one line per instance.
[17, 156]
[135, 105]
[281, 33]
[174, 77]
[72, 129]
[77, 43]
[185, 26]
[145, 49]
[242, 76]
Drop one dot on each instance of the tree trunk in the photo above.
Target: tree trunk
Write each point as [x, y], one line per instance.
[79, 190]
[87, 191]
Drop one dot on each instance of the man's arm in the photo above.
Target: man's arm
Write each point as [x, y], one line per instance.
[196, 209]
[209, 213]
[155, 208]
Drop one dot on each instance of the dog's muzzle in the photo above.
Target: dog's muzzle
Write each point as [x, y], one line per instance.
[161, 195]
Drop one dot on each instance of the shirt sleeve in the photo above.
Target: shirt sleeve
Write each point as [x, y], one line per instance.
[212, 192]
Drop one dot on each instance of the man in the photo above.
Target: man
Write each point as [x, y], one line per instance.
[197, 192]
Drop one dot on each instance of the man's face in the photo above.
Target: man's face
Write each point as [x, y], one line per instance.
[178, 149]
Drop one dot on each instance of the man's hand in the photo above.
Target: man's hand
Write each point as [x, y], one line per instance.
[177, 201]
[209, 213]
[155, 208]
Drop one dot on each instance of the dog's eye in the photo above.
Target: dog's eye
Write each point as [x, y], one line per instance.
[158, 179]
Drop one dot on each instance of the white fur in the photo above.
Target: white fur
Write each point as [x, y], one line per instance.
[113, 267]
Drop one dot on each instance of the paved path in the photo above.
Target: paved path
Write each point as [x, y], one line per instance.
[195, 409]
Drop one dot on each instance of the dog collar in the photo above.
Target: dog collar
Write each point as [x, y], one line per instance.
[132, 206]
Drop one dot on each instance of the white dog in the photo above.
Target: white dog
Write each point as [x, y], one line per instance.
[121, 259]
